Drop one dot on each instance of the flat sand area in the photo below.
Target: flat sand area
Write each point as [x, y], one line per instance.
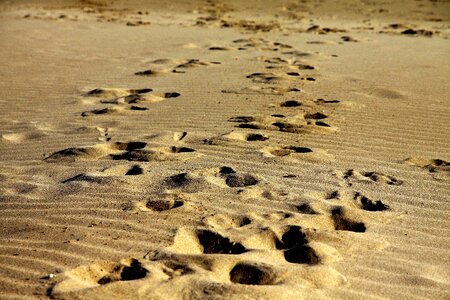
[225, 149]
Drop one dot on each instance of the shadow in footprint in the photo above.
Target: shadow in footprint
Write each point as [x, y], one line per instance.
[291, 103]
[214, 243]
[240, 180]
[295, 247]
[133, 271]
[163, 204]
[343, 223]
[368, 204]
[306, 208]
[135, 170]
[245, 273]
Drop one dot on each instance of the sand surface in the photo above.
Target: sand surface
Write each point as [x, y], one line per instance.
[224, 149]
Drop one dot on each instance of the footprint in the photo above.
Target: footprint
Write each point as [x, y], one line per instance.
[347, 38]
[341, 222]
[100, 273]
[323, 101]
[293, 124]
[432, 165]
[286, 150]
[75, 154]
[257, 90]
[227, 221]
[315, 116]
[131, 151]
[371, 177]
[233, 179]
[220, 48]
[296, 248]
[157, 154]
[305, 208]
[135, 170]
[415, 32]
[290, 103]
[249, 137]
[150, 72]
[265, 78]
[129, 270]
[102, 111]
[252, 274]
[163, 204]
[214, 243]
[89, 178]
[115, 92]
[368, 204]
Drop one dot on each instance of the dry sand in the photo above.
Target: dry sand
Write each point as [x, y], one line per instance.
[224, 149]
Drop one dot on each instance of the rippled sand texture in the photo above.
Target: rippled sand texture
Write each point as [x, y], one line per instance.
[224, 150]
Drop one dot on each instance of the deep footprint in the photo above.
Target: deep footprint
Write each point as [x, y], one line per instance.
[343, 223]
[245, 273]
[214, 243]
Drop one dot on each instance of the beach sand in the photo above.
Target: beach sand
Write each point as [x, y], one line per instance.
[224, 149]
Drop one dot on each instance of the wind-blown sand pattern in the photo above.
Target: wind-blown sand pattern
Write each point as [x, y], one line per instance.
[224, 149]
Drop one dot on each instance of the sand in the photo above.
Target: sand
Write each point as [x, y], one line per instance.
[224, 149]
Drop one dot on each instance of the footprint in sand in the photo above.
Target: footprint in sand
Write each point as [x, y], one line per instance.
[356, 198]
[165, 66]
[377, 177]
[342, 222]
[248, 137]
[130, 151]
[257, 90]
[161, 202]
[101, 273]
[120, 98]
[297, 152]
[300, 123]
[432, 165]
[295, 247]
